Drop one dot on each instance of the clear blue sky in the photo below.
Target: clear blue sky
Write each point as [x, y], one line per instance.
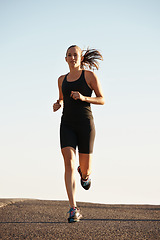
[34, 38]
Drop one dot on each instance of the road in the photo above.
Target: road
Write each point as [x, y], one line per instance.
[40, 219]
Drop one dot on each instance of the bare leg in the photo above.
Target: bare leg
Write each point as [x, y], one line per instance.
[85, 161]
[69, 161]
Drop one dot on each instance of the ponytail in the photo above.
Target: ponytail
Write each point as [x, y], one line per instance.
[90, 58]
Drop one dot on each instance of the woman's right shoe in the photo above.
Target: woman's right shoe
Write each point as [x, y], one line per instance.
[74, 215]
[86, 183]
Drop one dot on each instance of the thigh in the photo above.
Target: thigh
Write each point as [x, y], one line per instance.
[68, 136]
[86, 136]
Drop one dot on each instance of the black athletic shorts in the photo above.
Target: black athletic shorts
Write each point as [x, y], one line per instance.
[78, 133]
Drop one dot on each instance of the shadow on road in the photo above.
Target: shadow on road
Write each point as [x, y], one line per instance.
[124, 220]
[108, 220]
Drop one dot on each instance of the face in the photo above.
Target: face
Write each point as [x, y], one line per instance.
[73, 57]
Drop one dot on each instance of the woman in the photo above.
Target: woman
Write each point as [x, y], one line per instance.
[77, 125]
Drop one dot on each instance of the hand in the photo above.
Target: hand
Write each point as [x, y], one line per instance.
[76, 95]
[56, 106]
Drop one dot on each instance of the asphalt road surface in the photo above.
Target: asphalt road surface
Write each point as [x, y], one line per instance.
[39, 219]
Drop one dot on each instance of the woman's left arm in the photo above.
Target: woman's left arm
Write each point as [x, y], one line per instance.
[94, 84]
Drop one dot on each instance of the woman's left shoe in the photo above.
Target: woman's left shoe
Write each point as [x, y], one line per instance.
[74, 215]
[86, 183]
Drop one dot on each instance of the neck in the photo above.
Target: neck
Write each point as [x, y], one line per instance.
[74, 70]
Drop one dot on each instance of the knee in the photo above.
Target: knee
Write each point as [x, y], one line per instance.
[69, 164]
[69, 158]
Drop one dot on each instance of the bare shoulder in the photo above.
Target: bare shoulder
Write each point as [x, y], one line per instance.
[90, 77]
[60, 79]
[90, 74]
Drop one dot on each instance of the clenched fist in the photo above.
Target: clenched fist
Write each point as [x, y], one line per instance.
[76, 95]
[56, 106]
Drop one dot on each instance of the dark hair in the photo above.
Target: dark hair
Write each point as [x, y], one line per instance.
[90, 58]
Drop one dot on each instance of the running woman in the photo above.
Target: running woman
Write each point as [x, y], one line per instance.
[77, 127]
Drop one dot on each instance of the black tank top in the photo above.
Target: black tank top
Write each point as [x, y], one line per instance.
[75, 110]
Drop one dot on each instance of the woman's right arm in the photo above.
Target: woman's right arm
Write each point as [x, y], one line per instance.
[59, 102]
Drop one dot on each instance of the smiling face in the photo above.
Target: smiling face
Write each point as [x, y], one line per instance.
[74, 57]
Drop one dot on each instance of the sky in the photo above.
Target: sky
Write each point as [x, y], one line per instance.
[34, 38]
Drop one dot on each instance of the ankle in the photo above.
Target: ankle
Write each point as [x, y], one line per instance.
[85, 177]
[73, 207]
